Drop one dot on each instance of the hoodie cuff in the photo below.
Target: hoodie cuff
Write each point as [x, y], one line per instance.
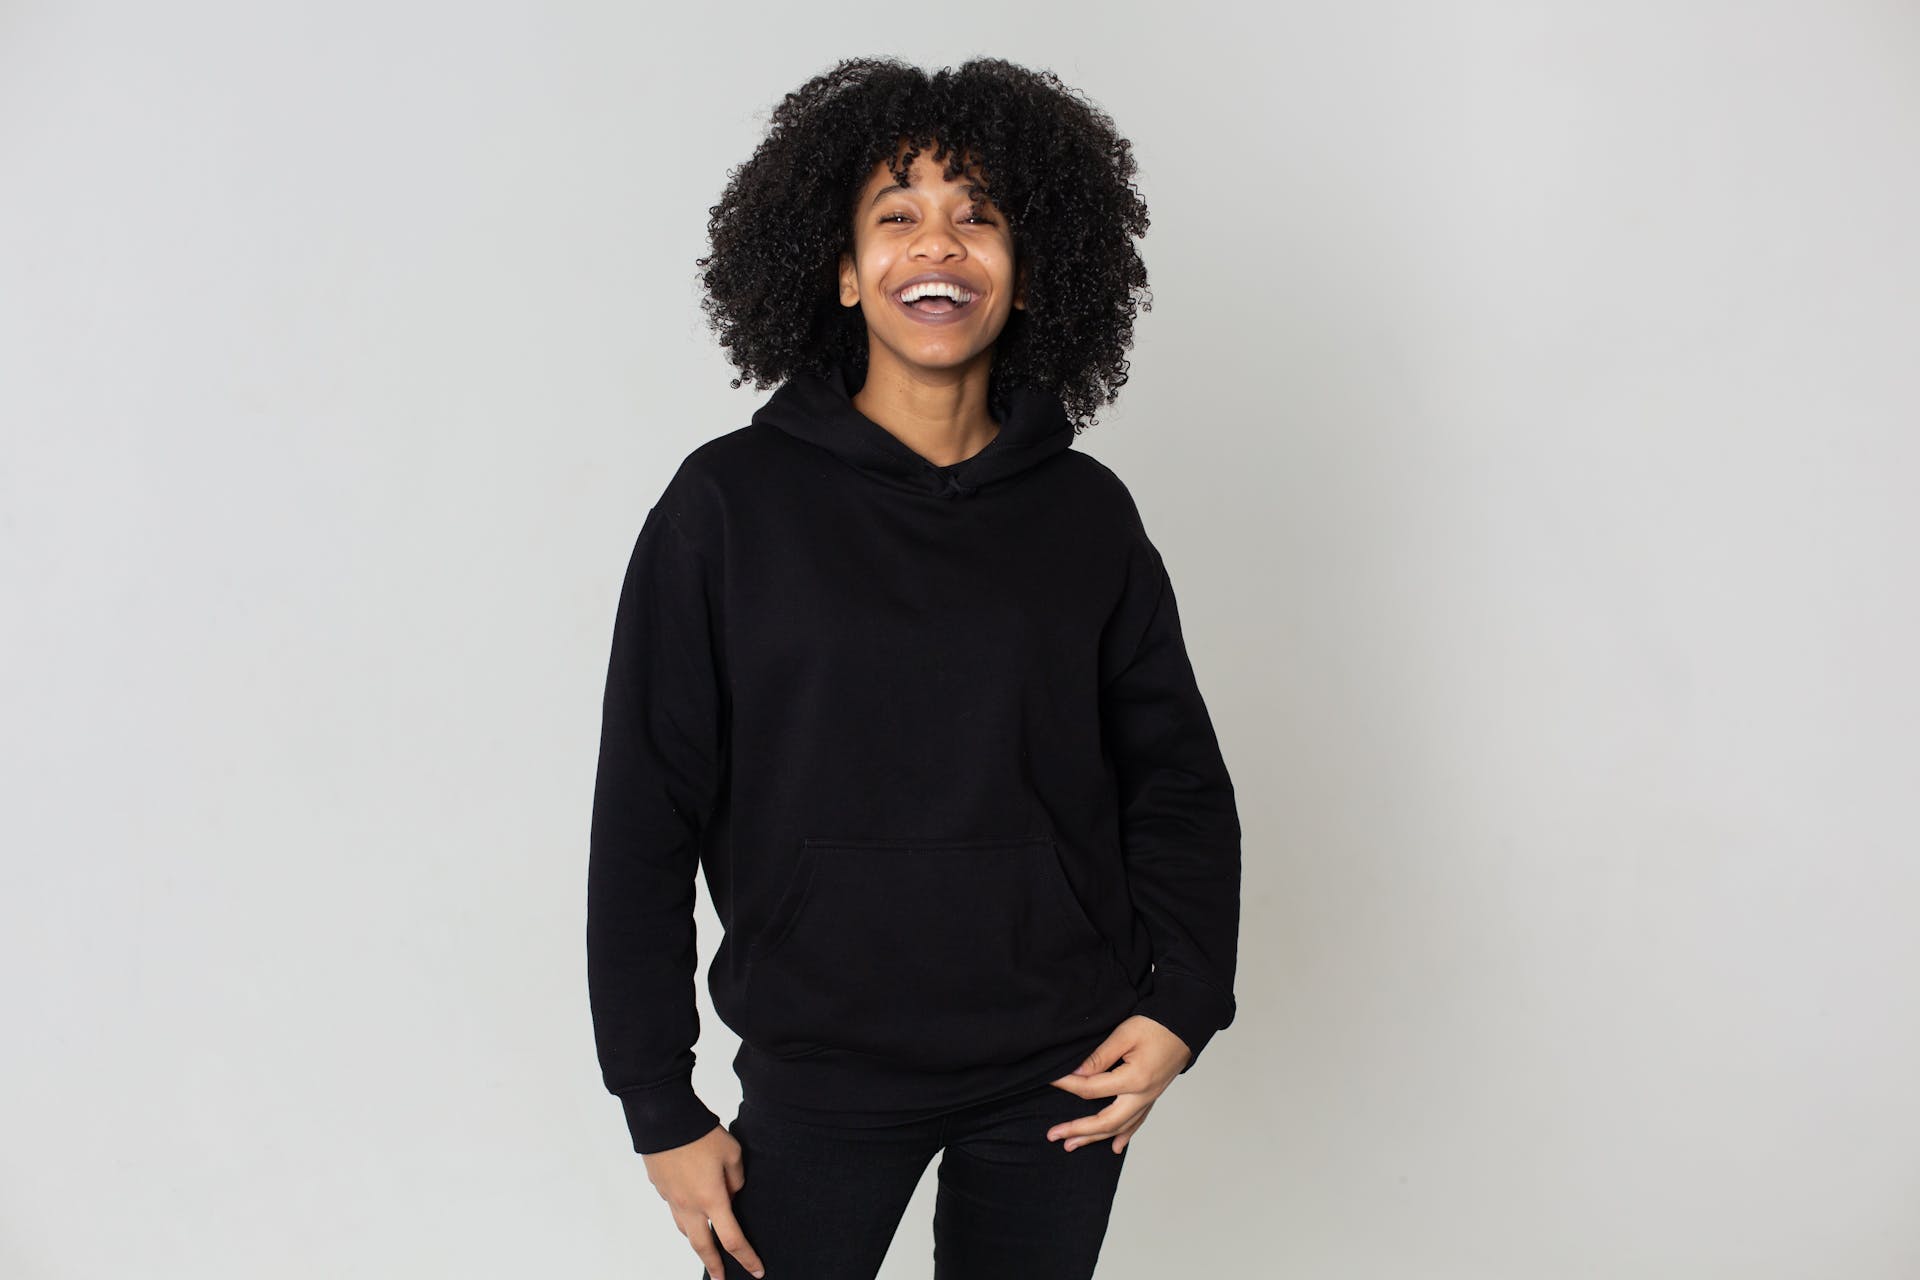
[666, 1115]
[1188, 1007]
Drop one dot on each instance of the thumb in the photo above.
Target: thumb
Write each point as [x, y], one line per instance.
[1103, 1057]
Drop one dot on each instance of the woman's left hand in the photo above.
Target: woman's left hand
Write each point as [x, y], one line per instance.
[1153, 1056]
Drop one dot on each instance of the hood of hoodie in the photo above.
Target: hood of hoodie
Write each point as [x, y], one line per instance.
[819, 409]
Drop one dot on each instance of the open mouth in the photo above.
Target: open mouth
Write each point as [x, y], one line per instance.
[938, 303]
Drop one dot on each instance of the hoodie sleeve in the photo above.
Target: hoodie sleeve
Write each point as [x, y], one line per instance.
[659, 771]
[1179, 824]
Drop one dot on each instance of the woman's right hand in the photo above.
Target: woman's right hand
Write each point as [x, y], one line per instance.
[697, 1180]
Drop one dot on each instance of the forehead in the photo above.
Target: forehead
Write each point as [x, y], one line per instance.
[926, 174]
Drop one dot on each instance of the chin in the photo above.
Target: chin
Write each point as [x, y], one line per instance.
[939, 354]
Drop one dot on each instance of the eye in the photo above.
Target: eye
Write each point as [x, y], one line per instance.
[901, 217]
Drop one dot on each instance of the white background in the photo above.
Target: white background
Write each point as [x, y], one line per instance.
[1527, 413]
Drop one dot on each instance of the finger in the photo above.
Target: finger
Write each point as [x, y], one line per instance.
[1128, 1130]
[1074, 1144]
[1119, 1135]
[1121, 1130]
[699, 1234]
[1107, 1120]
[1104, 1055]
[1081, 1125]
[1110, 1083]
[734, 1241]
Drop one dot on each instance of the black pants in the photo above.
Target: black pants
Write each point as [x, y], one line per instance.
[822, 1202]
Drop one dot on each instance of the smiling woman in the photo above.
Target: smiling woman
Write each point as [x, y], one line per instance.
[1055, 182]
[932, 269]
[903, 674]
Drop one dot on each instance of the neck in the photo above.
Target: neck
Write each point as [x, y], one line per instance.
[941, 414]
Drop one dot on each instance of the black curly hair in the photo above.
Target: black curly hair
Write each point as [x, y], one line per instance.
[1050, 160]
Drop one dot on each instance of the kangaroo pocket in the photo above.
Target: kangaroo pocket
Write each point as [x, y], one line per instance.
[926, 953]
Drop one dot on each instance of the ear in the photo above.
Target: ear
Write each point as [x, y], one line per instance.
[1020, 288]
[849, 282]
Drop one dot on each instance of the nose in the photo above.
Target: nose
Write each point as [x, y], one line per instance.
[936, 240]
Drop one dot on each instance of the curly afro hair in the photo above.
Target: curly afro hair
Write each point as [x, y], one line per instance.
[1049, 159]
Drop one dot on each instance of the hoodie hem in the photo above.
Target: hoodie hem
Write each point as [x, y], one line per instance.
[842, 1087]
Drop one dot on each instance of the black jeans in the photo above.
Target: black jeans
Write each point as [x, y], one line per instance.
[822, 1202]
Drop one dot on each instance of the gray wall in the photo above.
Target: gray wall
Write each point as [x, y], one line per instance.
[1527, 414]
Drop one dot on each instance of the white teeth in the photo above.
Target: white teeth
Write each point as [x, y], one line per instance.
[932, 288]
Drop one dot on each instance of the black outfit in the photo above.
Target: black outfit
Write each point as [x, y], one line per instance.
[824, 1202]
[933, 736]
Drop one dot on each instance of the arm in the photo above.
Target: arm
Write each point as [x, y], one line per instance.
[1179, 824]
[660, 767]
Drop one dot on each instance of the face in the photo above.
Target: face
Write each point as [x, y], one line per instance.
[903, 235]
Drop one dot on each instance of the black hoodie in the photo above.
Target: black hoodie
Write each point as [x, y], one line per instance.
[933, 736]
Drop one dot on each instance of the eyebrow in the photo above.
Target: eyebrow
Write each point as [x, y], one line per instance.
[894, 188]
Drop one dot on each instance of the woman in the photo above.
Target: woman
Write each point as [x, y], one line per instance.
[903, 674]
